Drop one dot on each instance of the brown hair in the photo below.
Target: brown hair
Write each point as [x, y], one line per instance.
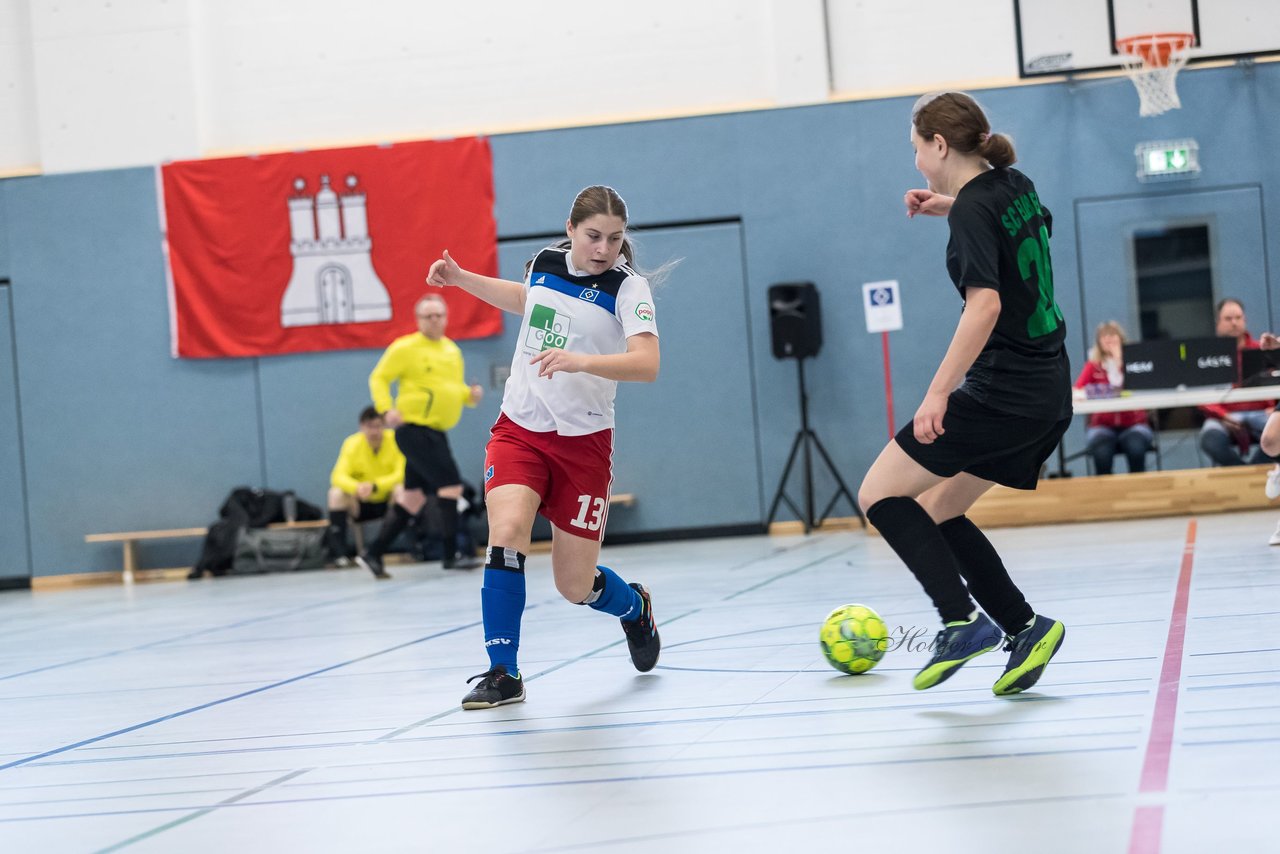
[958, 119]
[597, 199]
[1095, 352]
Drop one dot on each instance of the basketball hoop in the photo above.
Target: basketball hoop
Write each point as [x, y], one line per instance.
[1152, 62]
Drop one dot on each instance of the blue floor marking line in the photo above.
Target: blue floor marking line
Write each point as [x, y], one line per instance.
[996, 738]
[203, 812]
[289, 613]
[243, 694]
[551, 784]
[1231, 652]
[604, 727]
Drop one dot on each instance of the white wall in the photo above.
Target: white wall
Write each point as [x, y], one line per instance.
[94, 84]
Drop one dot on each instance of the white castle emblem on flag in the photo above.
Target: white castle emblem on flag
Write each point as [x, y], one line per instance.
[333, 278]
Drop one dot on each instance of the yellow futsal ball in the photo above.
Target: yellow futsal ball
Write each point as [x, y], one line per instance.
[854, 638]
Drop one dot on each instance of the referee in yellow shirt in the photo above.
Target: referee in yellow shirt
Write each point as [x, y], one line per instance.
[427, 369]
[365, 480]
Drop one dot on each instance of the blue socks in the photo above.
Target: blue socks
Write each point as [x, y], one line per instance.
[614, 596]
[502, 604]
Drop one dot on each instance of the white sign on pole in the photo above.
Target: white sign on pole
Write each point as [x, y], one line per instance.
[883, 306]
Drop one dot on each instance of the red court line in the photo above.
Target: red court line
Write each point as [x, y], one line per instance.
[1148, 821]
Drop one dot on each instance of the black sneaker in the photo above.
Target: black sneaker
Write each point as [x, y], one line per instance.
[955, 645]
[462, 562]
[373, 563]
[496, 688]
[1029, 653]
[642, 633]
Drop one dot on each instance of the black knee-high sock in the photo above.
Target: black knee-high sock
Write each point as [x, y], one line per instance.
[391, 528]
[336, 535]
[989, 581]
[449, 526]
[910, 532]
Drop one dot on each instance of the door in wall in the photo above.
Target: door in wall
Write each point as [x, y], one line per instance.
[686, 445]
[15, 554]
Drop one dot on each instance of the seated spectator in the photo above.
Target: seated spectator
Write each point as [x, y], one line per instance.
[1110, 433]
[368, 475]
[1231, 428]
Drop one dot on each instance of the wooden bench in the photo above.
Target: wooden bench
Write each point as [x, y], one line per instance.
[130, 540]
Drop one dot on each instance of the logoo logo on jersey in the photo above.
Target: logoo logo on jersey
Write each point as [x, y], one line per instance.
[644, 311]
[488, 474]
[589, 294]
[547, 329]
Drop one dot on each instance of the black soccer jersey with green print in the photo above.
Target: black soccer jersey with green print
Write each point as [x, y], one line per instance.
[581, 313]
[1000, 240]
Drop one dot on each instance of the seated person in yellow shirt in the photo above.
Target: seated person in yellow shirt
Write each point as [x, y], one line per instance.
[368, 475]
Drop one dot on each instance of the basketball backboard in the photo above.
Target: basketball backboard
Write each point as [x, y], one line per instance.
[1056, 37]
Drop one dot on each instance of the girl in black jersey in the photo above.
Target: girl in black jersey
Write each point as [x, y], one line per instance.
[997, 405]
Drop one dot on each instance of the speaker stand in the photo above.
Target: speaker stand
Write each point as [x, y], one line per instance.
[805, 441]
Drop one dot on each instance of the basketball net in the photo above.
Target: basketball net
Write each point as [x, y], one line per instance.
[1152, 62]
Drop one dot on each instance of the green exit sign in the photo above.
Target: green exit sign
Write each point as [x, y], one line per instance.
[1176, 158]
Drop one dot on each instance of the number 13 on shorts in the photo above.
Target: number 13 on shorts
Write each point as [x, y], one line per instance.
[588, 505]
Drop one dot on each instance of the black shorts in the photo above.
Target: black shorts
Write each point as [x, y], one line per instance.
[366, 510]
[986, 443]
[429, 462]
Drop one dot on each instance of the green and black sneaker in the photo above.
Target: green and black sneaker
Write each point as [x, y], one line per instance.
[1029, 652]
[956, 644]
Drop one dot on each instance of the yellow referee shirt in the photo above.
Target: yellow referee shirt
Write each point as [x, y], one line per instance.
[430, 388]
[357, 463]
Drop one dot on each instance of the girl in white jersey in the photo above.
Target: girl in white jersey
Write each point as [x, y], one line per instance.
[587, 324]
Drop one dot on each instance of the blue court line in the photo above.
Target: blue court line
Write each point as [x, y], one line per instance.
[1234, 616]
[555, 784]
[243, 694]
[1234, 673]
[995, 738]
[603, 727]
[1231, 710]
[1233, 725]
[195, 815]
[1236, 685]
[1232, 652]
[1242, 587]
[189, 635]
[1231, 741]
[566, 751]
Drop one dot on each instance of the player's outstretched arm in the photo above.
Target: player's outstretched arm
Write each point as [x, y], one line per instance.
[638, 365]
[499, 293]
[927, 203]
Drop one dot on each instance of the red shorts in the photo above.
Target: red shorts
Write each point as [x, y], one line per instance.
[572, 474]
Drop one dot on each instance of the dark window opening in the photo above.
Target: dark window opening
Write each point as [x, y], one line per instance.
[1175, 282]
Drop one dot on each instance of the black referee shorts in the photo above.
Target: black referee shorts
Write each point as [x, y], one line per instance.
[986, 443]
[430, 463]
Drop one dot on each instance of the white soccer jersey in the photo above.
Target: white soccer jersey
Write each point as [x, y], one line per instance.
[580, 313]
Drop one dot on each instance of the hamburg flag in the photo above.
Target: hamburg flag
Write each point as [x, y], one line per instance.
[324, 250]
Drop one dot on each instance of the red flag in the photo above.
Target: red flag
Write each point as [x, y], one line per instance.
[324, 250]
